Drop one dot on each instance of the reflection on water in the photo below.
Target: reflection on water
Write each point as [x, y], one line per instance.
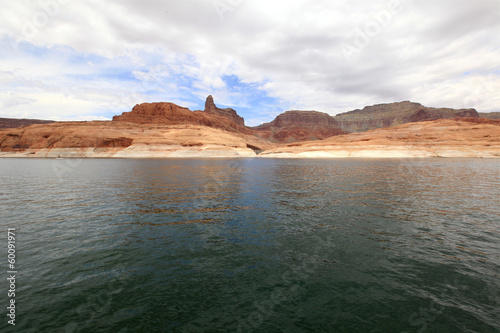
[256, 245]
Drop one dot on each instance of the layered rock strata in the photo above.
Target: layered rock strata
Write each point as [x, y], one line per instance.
[293, 126]
[15, 123]
[228, 113]
[459, 137]
[393, 114]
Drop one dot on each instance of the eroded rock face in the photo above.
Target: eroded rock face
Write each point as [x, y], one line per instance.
[126, 129]
[229, 113]
[170, 113]
[458, 137]
[15, 123]
[95, 138]
[394, 114]
[293, 126]
[480, 121]
[172, 125]
[304, 117]
[64, 135]
[490, 115]
[159, 113]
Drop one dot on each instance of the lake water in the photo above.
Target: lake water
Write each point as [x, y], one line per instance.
[253, 245]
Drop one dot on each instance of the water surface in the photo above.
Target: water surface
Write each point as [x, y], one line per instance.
[254, 245]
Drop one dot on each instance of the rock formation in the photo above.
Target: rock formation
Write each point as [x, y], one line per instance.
[150, 129]
[127, 139]
[63, 135]
[490, 115]
[459, 137]
[229, 113]
[169, 130]
[293, 126]
[393, 114]
[15, 123]
[170, 113]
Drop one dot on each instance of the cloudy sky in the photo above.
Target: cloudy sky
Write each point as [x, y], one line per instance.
[89, 59]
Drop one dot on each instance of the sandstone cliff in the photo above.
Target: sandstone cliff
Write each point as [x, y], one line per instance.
[490, 115]
[229, 113]
[15, 123]
[150, 129]
[96, 134]
[126, 139]
[459, 137]
[170, 113]
[393, 114]
[169, 130]
[293, 126]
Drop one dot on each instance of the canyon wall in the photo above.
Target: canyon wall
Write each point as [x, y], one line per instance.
[393, 114]
[15, 123]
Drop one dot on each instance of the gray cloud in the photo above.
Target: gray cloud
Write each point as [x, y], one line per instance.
[295, 51]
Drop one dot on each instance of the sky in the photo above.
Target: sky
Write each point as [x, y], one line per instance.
[90, 60]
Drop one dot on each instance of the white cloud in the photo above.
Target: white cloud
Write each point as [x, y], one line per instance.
[90, 58]
[10, 100]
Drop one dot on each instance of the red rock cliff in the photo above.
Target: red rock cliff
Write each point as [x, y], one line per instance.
[170, 113]
[211, 108]
[394, 114]
[15, 123]
[293, 126]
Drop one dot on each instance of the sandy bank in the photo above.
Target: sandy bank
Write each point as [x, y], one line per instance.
[140, 151]
[382, 152]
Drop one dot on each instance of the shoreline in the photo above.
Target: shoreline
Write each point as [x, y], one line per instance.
[214, 151]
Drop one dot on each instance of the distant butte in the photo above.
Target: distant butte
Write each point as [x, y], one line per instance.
[292, 126]
[170, 113]
[393, 114]
[15, 123]
[229, 113]
[458, 137]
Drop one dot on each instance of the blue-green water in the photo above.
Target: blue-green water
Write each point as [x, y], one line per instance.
[252, 245]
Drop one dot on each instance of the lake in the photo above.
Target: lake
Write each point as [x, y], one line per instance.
[252, 245]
